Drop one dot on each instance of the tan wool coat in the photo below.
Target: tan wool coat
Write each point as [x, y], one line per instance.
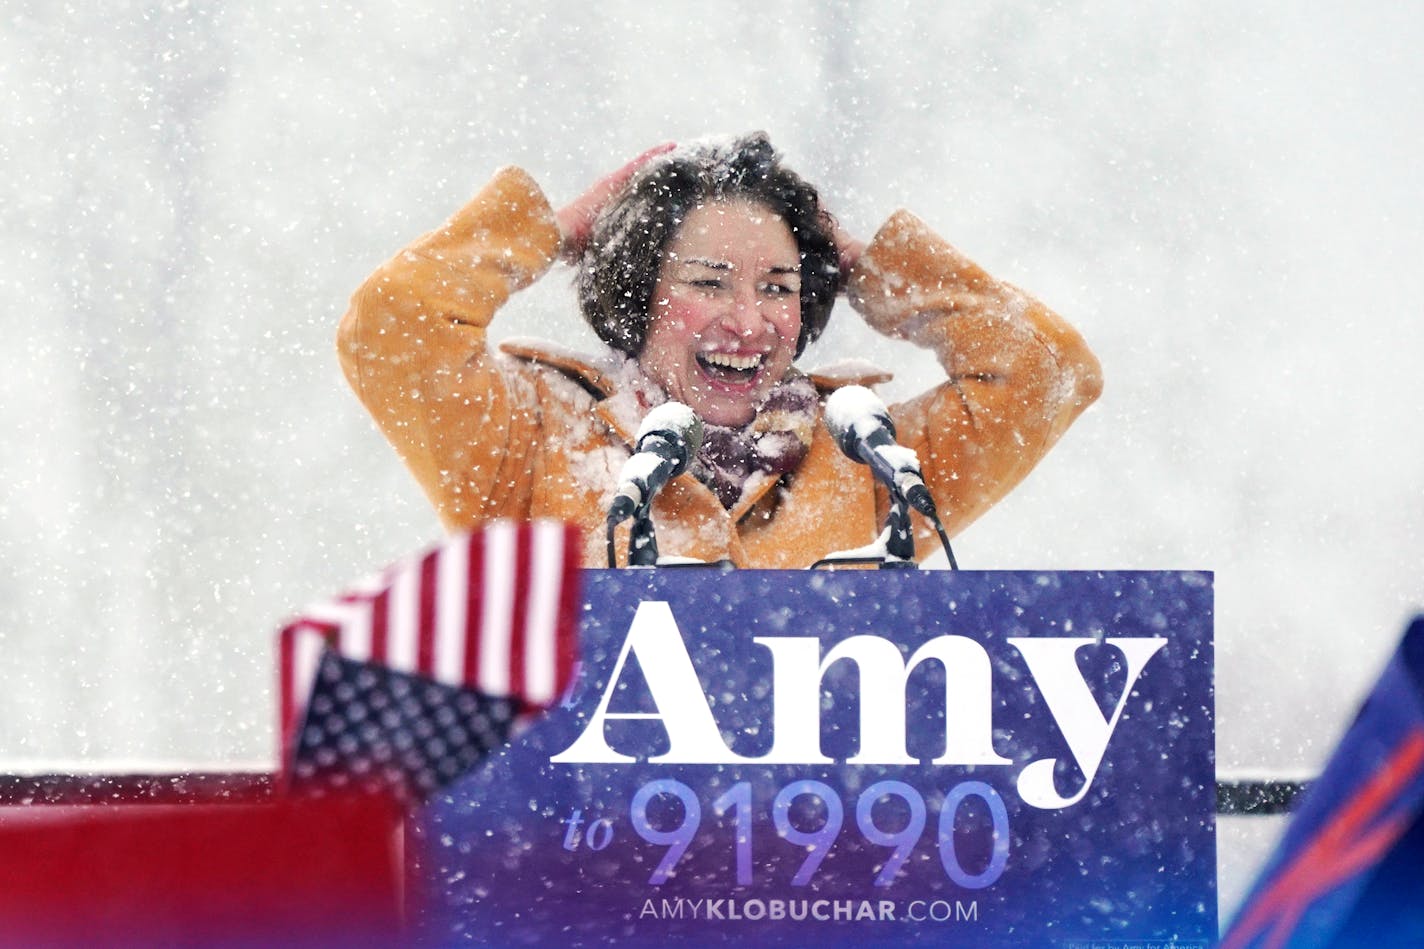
[532, 432]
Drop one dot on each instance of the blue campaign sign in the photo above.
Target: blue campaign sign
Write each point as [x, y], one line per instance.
[861, 758]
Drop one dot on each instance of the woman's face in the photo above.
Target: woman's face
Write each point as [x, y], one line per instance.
[726, 311]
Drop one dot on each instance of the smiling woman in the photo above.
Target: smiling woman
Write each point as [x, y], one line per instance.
[707, 269]
[726, 311]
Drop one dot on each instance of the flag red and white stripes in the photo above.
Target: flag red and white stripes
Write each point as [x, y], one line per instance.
[494, 610]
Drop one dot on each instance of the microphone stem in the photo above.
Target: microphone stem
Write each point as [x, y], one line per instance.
[642, 541]
[899, 542]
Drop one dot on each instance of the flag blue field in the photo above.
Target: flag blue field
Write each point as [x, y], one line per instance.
[407, 680]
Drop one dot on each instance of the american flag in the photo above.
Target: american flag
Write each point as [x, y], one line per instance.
[422, 668]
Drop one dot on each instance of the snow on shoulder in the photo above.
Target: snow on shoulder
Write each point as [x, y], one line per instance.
[850, 371]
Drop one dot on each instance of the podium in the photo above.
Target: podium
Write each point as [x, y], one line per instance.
[867, 758]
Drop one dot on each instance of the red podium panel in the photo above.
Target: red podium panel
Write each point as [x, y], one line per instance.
[318, 872]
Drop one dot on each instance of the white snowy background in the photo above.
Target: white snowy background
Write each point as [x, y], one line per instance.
[1224, 198]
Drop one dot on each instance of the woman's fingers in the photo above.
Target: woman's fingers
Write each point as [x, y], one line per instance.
[849, 250]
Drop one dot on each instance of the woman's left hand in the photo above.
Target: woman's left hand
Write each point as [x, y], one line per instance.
[849, 250]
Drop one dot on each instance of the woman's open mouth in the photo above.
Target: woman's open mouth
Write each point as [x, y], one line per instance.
[731, 369]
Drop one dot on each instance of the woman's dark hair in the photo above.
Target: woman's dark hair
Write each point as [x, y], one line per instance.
[620, 267]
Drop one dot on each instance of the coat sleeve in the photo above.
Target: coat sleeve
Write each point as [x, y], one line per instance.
[413, 346]
[1017, 374]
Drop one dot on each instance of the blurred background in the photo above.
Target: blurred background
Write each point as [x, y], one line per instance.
[1225, 201]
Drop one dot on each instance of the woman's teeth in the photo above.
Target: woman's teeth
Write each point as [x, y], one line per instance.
[730, 361]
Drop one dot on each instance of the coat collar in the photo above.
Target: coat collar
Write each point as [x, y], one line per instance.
[617, 403]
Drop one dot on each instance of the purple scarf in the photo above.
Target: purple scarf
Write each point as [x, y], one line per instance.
[772, 443]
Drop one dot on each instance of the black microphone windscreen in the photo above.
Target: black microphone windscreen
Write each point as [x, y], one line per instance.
[674, 426]
[853, 413]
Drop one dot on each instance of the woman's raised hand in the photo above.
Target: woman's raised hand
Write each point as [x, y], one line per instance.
[849, 250]
[576, 218]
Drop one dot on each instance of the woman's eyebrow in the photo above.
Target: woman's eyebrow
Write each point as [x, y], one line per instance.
[710, 264]
[726, 265]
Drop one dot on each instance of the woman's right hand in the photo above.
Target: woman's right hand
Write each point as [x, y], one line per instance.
[576, 218]
[848, 249]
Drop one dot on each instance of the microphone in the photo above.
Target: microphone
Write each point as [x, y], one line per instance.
[667, 441]
[861, 425]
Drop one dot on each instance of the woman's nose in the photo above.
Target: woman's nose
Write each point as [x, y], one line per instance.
[743, 313]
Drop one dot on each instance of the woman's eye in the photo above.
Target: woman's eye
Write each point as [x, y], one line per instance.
[777, 289]
[706, 283]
